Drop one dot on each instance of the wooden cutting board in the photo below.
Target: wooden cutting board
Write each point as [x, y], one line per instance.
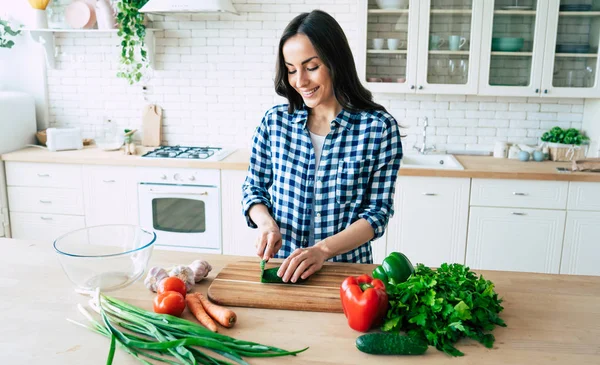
[151, 125]
[238, 284]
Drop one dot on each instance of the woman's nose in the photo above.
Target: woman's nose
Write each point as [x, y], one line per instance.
[301, 79]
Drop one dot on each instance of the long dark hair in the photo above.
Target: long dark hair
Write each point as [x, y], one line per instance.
[333, 49]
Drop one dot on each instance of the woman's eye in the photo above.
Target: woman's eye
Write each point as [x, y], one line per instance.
[291, 72]
[313, 69]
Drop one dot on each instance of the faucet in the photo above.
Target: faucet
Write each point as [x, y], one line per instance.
[424, 149]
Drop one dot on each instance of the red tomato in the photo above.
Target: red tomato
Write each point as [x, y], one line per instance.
[169, 302]
[172, 283]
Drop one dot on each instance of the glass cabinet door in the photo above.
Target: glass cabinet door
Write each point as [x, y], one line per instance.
[513, 47]
[449, 45]
[572, 49]
[391, 31]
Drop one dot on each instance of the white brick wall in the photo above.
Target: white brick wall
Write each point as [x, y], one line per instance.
[214, 80]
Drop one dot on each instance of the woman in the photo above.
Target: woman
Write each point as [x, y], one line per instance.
[320, 184]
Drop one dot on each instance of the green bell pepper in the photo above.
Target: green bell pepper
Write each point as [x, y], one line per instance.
[395, 269]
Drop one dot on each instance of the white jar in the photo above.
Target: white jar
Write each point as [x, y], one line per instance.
[500, 149]
[513, 152]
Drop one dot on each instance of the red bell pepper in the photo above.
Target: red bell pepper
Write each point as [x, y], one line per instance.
[364, 300]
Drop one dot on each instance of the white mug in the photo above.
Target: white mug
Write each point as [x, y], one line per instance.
[378, 43]
[456, 42]
[394, 43]
[500, 149]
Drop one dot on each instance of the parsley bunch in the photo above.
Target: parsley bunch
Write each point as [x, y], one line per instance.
[443, 306]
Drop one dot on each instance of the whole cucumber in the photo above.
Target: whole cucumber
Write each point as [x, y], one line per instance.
[390, 344]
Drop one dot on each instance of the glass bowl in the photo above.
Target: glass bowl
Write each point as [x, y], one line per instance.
[108, 257]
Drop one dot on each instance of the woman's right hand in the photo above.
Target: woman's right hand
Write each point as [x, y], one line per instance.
[268, 241]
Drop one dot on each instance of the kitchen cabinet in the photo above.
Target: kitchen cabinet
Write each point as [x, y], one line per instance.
[430, 221]
[110, 194]
[424, 46]
[45, 200]
[580, 247]
[516, 225]
[545, 48]
[238, 238]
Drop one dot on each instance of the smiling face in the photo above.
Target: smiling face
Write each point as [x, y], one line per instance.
[307, 73]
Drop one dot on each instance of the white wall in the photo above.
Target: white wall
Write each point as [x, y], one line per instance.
[214, 80]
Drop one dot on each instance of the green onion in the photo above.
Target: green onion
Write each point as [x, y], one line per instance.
[169, 339]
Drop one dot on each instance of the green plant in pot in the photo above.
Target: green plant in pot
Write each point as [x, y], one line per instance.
[565, 136]
[5, 32]
[132, 31]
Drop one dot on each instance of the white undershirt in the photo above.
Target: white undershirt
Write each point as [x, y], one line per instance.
[317, 142]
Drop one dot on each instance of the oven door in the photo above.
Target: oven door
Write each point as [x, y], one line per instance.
[184, 217]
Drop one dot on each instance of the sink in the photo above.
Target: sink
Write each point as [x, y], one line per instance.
[437, 162]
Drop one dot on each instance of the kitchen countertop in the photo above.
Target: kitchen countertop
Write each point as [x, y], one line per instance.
[550, 318]
[486, 167]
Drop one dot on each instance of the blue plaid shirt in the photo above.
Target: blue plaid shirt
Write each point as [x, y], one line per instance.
[355, 177]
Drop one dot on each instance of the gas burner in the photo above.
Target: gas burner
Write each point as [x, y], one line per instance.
[195, 153]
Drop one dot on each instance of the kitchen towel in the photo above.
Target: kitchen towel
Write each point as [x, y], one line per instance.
[151, 125]
[589, 165]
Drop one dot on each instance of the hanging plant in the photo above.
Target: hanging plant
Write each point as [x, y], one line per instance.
[5, 32]
[132, 31]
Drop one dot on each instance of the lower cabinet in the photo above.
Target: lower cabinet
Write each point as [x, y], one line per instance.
[581, 247]
[43, 227]
[238, 238]
[515, 239]
[110, 195]
[430, 221]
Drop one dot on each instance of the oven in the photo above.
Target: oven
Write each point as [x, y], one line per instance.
[183, 207]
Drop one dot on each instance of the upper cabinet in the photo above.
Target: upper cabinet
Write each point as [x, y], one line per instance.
[546, 48]
[421, 46]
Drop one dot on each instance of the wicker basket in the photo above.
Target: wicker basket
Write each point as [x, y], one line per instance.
[566, 152]
[41, 137]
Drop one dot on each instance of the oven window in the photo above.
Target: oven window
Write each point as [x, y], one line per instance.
[179, 215]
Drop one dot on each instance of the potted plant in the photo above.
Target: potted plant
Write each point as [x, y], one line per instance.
[565, 144]
[132, 31]
[5, 33]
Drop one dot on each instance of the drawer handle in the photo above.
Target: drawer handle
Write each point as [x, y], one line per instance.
[520, 194]
[46, 218]
[518, 213]
[429, 194]
[108, 181]
[43, 175]
[45, 201]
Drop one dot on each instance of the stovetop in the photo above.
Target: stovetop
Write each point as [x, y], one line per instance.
[194, 153]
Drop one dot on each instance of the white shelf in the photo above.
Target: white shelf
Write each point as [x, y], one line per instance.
[451, 11]
[579, 13]
[515, 12]
[579, 55]
[387, 51]
[518, 54]
[387, 11]
[45, 37]
[439, 51]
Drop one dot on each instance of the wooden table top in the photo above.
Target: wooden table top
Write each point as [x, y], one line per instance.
[552, 319]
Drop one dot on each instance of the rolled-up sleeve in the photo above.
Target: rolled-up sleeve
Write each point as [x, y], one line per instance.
[260, 174]
[380, 204]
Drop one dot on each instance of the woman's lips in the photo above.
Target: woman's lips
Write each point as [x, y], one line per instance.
[309, 93]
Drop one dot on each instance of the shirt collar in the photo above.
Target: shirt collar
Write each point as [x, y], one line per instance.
[344, 118]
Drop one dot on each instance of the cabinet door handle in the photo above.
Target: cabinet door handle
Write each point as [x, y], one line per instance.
[43, 175]
[46, 218]
[45, 201]
[412, 87]
[108, 181]
[537, 91]
[429, 194]
[545, 91]
[518, 213]
[520, 194]
[420, 87]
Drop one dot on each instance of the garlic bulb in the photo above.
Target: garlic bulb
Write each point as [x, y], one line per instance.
[155, 275]
[201, 269]
[185, 274]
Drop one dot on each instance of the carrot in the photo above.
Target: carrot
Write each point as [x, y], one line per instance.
[195, 306]
[224, 316]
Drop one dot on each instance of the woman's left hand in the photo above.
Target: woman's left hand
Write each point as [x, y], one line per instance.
[302, 263]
